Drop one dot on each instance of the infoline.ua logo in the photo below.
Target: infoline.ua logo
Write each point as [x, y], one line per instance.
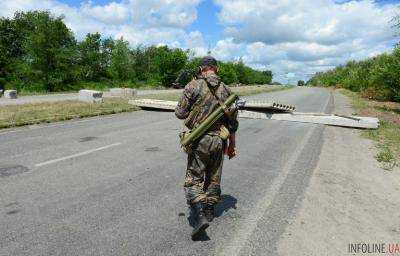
[375, 248]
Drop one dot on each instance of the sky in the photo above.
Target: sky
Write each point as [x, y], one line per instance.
[292, 38]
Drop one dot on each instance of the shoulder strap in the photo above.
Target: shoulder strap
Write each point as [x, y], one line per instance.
[220, 102]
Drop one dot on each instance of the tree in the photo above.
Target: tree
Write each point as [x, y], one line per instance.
[121, 66]
[267, 75]
[39, 53]
[376, 77]
[170, 62]
[50, 48]
[92, 62]
[300, 83]
[227, 73]
[107, 46]
[10, 46]
[241, 72]
[145, 65]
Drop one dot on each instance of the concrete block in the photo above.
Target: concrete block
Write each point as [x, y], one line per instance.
[123, 92]
[90, 96]
[10, 94]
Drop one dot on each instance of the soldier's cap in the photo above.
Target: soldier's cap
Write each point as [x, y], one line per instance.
[209, 61]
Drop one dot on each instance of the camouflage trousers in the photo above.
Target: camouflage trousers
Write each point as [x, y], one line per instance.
[204, 169]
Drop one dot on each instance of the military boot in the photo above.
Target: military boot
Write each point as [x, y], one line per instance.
[209, 212]
[201, 221]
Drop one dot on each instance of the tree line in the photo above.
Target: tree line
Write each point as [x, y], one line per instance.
[39, 53]
[376, 78]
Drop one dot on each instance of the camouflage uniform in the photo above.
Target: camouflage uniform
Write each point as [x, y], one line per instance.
[203, 174]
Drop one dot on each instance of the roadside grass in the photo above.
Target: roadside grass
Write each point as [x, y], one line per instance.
[387, 137]
[240, 91]
[35, 113]
[27, 114]
[39, 89]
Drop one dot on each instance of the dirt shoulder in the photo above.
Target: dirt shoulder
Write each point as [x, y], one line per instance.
[350, 198]
[387, 137]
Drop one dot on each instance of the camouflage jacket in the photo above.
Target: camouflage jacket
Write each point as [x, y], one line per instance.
[198, 102]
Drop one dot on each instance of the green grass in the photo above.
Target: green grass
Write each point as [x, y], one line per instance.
[386, 157]
[387, 137]
[357, 102]
[27, 114]
[98, 86]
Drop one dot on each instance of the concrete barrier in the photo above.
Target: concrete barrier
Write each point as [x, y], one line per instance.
[123, 92]
[90, 96]
[10, 94]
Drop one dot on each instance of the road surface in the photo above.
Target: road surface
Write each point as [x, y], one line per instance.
[113, 185]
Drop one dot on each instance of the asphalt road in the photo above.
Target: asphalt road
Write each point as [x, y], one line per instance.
[113, 185]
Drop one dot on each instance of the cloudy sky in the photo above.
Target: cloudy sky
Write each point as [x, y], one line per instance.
[293, 38]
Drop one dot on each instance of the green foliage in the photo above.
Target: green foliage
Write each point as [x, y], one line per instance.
[228, 74]
[38, 53]
[301, 83]
[377, 78]
[169, 62]
[121, 66]
[145, 67]
[49, 48]
[190, 71]
[92, 59]
[247, 75]
[37, 47]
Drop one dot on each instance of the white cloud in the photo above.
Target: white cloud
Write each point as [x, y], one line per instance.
[114, 13]
[304, 36]
[319, 21]
[138, 21]
[195, 39]
[165, 13]
[228, 50]
[287, 36]
[152, 36]
[262, 53]
[195, 42]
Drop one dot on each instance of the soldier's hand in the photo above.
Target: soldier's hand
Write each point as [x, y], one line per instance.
[231, 152]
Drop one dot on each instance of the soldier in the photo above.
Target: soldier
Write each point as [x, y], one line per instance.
[200, 98]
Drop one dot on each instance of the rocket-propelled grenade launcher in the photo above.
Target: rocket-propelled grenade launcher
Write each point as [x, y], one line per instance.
[208, 122]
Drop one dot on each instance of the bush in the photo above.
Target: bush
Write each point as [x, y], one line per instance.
[227, 73]
[376, 78]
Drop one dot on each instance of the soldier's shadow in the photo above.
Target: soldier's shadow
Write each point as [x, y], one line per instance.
[227, 202]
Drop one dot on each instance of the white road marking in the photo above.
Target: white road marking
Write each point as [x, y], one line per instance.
[77, 155]
[246, 227]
